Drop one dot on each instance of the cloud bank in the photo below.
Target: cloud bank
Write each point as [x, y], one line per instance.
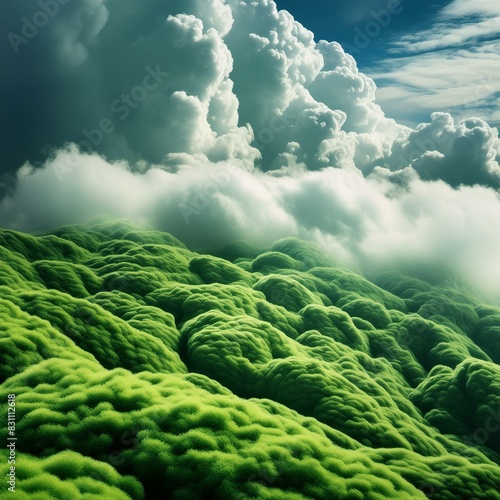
[220, 120]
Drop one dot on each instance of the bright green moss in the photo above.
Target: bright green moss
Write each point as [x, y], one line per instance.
[144, 370]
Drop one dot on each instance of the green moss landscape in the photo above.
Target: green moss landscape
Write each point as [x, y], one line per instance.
[142, 369]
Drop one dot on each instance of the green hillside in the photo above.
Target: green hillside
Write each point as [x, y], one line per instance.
[142, 369]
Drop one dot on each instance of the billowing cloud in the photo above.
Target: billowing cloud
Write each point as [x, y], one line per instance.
[371, 221]
[135, 83]
[465, 153]
[220, 120]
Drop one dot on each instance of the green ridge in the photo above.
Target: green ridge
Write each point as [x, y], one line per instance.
[142, 369]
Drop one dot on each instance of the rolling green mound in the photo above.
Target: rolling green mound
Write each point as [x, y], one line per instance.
[142, 369]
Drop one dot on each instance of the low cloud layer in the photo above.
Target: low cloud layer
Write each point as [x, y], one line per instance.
[225, 120]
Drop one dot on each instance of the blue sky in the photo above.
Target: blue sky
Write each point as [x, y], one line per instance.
[424, 55]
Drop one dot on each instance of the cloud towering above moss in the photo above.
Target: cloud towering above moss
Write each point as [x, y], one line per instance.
[224, 120]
